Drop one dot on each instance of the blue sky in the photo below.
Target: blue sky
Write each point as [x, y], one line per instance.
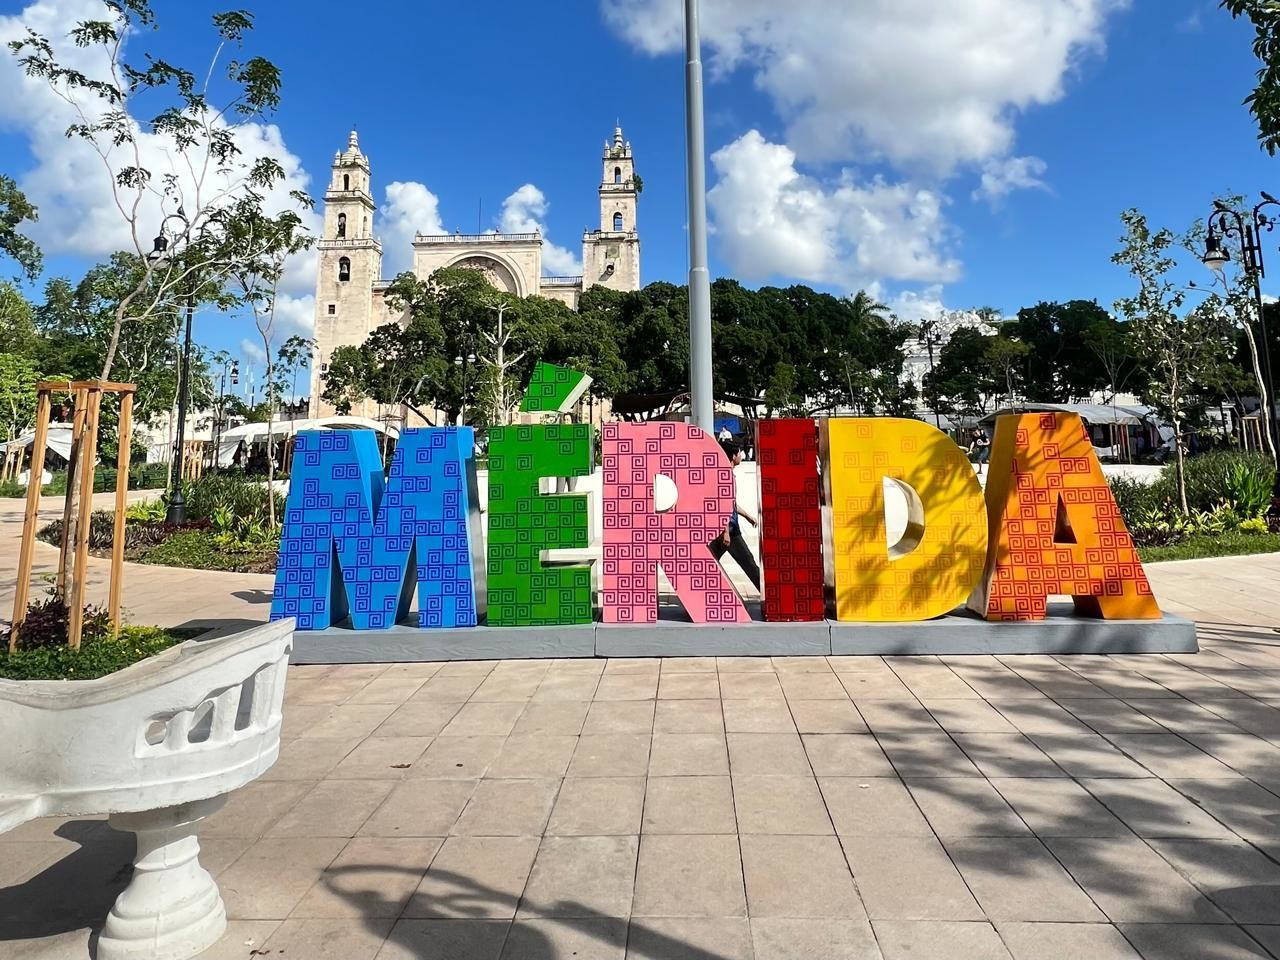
[851, 144]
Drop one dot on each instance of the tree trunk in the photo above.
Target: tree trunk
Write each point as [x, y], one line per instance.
[1265, 408]
[1180, 465]
[271, 439]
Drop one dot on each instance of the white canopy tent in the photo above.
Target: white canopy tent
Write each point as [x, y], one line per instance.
[59, 440]
[255, 433]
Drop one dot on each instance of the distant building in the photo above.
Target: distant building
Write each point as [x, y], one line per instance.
[350, 288]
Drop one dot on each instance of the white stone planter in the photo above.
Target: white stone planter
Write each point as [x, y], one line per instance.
[157, 747]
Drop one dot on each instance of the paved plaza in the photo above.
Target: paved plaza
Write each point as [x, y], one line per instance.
[1010, 808]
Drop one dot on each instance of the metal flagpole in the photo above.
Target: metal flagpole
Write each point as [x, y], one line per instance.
[702, 405]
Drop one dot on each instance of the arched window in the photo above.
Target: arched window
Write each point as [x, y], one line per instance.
[344, 269]
[342, 225]
[617, 174]
[346, 181]
[617, 223]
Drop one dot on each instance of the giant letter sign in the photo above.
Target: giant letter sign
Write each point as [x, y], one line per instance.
[1055, 527]
[790, 520]
[337, 509]
[938, 561]
[524, 591]
[637, 538]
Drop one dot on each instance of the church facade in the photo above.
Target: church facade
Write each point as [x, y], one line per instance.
[350, 288]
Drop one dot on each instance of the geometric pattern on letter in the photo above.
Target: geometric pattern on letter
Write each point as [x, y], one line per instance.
[1038, 462]
[347, 545]
[790, 520]
[637, 538]
[524, 591]
[554, 389]
[937, 563]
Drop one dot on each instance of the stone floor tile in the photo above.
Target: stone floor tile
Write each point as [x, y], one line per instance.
[216, 853]
[689, 876]
[323, 939]
[1246, 754]
[1168, 756]
[938, 940]
[351, 721]
[444, 688]
[418, 719]
[1244, 806]
[688, 755]
[243, 936]
[689, 938]
[1242, 882]
[758, 716]
[508, 687]
[309, 759]
[800, 665]
[767, 754]
[251, 810]
[688, 686]
[1007, 755]
[874, 686]
[798, 877]
[270, 878]
[896, 716]
[1065, 941]
[301, 717]
[611, 755]
[1187, 941]
[785, 938]
[1131, 883]
[908, 878]
[475, 877]
[508, 808]
[780, 805]
[846, 755]
[966, 807]
[372, 878]
[743, 665]
[622, 687]
[688, 716]
[387, 690]
[749, 686]
[567, 686]
[1182, 716]
[1059, 808]
[621, 716]
[672, 665]
[993, 680]
[827, 716]
[926, 755]
[457, 758]
[581, 877]
[1015, 878]
[1268, 936]
[1039, 716]
[597, 939]
[381, 758]
[872, 807]
[1250, 716]
[484, 719]
[1111, 716]
[968, 716]
[563, 718]
[537, 756]
[1087, 755]
[1152, 808]
[694, 805]
[478, 669]
[812, 686]
[420, 808]
[446, 940]
[334, 808]
[598, 806]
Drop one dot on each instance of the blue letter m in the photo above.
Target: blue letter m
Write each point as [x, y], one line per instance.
[347, 542]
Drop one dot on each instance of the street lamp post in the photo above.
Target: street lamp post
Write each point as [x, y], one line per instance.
[701, 400]
[1247, 229]
[929, 334]
[176, 507]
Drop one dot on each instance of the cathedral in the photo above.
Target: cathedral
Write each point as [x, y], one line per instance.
[350, 288]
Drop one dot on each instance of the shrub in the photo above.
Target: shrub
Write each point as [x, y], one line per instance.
[46, 624]
[199, 551]
[1209, 478]
[246, 499]
[99, 654]
[1249, 489]
[1137, 499]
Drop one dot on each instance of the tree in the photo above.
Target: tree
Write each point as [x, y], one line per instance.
[1059, 364]
[15, 209]
[17, 321]
[963, 380]
[1264, 102]
[1178, 350]
[199, 138]
[18, 379]
[1108, 340]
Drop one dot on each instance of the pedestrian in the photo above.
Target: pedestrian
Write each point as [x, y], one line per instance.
[979, 447]
[724, 436]
[731, 541]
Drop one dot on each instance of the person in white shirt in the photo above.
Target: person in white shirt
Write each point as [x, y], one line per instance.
[731, 541]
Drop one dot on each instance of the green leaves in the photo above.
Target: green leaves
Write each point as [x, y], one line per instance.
[15, 210]
[1264, 102]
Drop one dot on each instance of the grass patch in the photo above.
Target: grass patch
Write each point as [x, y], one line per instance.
[97, 656]
[196, 550]
[1233, 543]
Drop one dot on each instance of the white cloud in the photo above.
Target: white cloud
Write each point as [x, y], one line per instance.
[771, 220]
[410, 209]
[295, 316]
[1001, 177]
[930, 84]
[522, 212]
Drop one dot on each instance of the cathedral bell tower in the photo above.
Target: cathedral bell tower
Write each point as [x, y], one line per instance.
[350, 263]
[611, 255]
